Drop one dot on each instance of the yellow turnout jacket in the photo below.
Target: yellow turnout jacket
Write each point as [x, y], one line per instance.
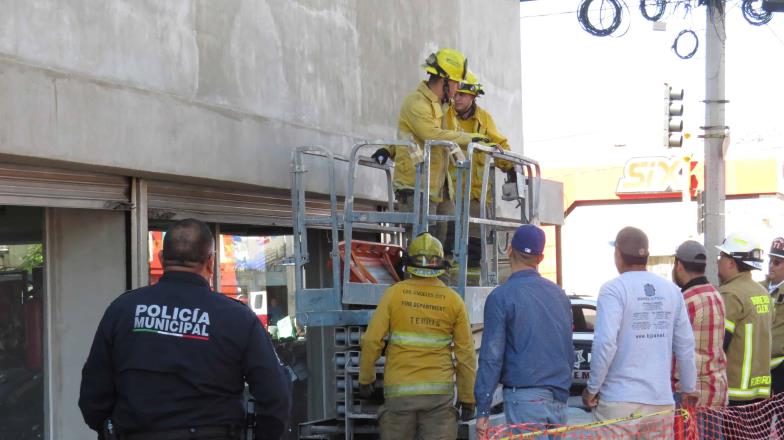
[481, 122]
[425, 322]
[422, 118]
[748, 316]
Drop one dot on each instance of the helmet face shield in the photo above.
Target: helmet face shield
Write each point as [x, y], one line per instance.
[471, 85]
[742, 248]
[429, 261]
[753, 255]
[425, 256]
[475, 90]
[424, 272]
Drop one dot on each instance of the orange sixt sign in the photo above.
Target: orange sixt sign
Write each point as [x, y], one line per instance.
[655, 174]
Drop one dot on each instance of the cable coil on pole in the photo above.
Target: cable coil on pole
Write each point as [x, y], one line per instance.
[677, 40]
[585, 21]
[661, 7]
[755, 16]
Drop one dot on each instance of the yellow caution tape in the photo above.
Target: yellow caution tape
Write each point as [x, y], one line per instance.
[598, 424]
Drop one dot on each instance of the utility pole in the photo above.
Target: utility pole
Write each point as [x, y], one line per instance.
[715, 132]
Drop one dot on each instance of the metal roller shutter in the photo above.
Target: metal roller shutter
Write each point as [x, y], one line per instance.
[270, 207]
[28, 185]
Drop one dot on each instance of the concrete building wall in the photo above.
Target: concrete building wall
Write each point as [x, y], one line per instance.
[223, 90]
[85, 260]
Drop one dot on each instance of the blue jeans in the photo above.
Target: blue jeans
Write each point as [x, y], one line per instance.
[535, 407]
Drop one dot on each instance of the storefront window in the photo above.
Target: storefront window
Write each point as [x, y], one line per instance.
[155, 246]
[21, 323]
[252, 270]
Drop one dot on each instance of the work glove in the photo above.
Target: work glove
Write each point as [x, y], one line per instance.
[467, 411]
[381, 156]
[480, 139]
[366, 390]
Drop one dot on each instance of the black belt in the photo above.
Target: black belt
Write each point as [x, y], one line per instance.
[507, 387]
[196, 433]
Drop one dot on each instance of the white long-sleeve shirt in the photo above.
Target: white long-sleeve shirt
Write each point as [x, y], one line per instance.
[641, 321]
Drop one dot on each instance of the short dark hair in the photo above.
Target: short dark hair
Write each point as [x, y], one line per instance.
[630, 260]
[696, 268]
[432, 79]
[742, 267]
[188, 242]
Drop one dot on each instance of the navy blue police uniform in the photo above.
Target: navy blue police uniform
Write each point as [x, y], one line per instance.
[173, 358]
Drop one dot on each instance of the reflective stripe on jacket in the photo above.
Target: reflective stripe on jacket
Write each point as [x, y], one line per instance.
[422, 118]
[425, 322]
[748, 318]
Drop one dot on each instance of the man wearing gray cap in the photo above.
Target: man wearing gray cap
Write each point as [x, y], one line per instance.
[706, 314]
[641, 322]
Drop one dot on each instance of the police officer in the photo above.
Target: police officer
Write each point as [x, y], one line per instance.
[171, 360]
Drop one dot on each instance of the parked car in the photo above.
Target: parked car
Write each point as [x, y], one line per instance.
[583, 321]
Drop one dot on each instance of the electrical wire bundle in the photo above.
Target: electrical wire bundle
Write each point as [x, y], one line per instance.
[693, 51]
[585, 21]
[661, 6]
[757, 17]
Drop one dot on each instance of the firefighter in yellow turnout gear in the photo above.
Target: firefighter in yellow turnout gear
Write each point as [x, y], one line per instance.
[471, 118]
[425, 322]
[748, 320]
[422, 118]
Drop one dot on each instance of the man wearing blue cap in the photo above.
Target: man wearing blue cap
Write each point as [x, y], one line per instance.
[526, 343]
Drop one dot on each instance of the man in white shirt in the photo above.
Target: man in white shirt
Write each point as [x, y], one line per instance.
[641, 321]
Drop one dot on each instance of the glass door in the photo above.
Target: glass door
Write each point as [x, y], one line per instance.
[21, 323]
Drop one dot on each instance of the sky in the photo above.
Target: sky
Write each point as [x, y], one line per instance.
[599, 100]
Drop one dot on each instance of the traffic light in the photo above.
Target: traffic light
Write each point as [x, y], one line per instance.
[673, 124]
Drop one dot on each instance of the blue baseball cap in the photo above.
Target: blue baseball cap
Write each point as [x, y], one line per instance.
[529, 240]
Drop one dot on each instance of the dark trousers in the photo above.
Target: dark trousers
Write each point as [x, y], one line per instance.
[777, 377]
[425, 417]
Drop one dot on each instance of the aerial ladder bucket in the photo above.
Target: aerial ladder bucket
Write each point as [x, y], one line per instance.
[359, 277]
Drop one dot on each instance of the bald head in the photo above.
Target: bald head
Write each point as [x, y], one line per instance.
[187, 243]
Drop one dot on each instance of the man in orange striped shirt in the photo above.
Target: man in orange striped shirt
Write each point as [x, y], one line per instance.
[706, 314]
